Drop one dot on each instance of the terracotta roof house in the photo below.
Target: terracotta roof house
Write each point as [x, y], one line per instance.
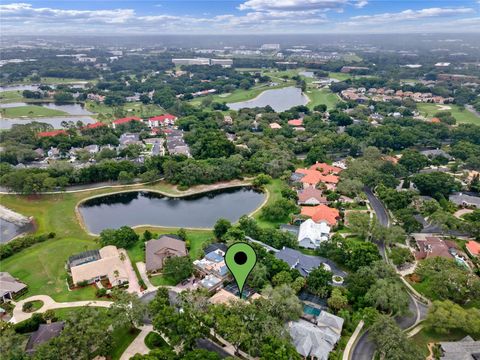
[295, 122]
[312, 177]
[311, 196]
[432, 247]
[126, 120]
[465, 349]
[435, 120]
[162, 120]
[275, 126]
[316, 340]
[94, 126]
[326, 169]
[311, 234]
[44, 333]
[473, 248]
[10, 287]
[321, 213]
[157, 251]
[52, 133]
[109, 266]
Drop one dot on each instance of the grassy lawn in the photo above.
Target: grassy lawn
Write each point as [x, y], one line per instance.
[275, 193]
[130, 109]
[11, 96]
[30, 111]
[322, 96]
[426, 336]
[462, 116]
[160, 280]
[339, 76]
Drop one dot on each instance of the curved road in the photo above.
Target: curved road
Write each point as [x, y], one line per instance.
[364, 349]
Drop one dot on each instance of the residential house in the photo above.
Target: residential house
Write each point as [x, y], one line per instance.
[305, 263]
[94, 126]
[53, 153]
[321, 213]
[275, 126]
[295, 122]
[316, 340]
[10, 287]
[44, 333]
[436, 152]
[215, 246]
[473, 248]
[92, 149]
[129, 139]
[227, 119]
[432, 246]
[465, 200]
[311, 234]
[52, 133]
[109, 265]
[465, 349]
[213, 263]
[126, 120]
[162, 120]
[158, 250]
[311, 196]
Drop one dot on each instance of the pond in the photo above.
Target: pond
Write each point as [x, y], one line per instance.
[149, 208]
[72, 109]
[279, 99]
[9, 230]
[76, 85]
[54, 121]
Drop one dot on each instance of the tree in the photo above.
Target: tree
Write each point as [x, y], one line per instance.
[319, 281]
[359, 223]
[413, 161]
[391, 342]
[350, 187]
[12, 344]
[446, 317]
[279, 210]
[283, 303]
[320, 108]
[125, 237]
[261, 179]
[182, 234]
[337, 300]
[62, 97]
[401, 256]
[178, 268]
[221, 227]
[127, 309]
[147, 235]
[436, 184]
[387, 296]
[126, 177]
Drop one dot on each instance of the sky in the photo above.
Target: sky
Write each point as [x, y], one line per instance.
[85, 17]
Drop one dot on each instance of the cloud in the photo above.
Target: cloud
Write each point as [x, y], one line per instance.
[407, 15]
[362, 4]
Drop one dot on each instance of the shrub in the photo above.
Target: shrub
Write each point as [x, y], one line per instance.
[30, 325]
[27, 307]
[154, 340]
[21, 243]
[101, 292]
[82, 283]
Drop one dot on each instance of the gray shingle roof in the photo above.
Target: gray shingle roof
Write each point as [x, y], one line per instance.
[465, 349]
[44, 333]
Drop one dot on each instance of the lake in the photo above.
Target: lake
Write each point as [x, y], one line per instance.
[76, 85]
[55, 121]
[149, 208]
[279, 99]
[72, 109]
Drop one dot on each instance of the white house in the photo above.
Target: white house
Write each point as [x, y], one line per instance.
[311, 234]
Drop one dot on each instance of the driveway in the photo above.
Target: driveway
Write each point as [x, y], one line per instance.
[137, 346]
[143, 274]
[49, 304]
[133, 285]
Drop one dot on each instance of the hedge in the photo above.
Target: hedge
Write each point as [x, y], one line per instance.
[21, 243]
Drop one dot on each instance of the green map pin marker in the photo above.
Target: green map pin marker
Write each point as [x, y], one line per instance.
[240, 259]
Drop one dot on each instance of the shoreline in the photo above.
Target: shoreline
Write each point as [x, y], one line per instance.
[218, 186]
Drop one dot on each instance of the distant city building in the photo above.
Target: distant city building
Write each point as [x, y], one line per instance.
[270, 47]
[203, 61]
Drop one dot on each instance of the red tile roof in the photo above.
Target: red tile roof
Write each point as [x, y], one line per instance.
[325, 168]
[51, 133]
[126, 120]
[473, 247]
[295, 122]
[313, 177]
[95, 125]
[164, 117]
[321, 213]
[435, 120]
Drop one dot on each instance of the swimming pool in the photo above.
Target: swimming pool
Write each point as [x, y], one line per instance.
[310, 310]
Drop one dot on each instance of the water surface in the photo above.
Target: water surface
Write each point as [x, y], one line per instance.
[148, 208]
[55, 121]
[279, 99]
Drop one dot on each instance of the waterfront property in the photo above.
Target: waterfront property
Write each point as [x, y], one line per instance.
[150, 208]
[311, 234]
[159, 250]
[109, 265]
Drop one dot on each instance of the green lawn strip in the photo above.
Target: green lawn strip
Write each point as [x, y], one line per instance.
[30, 111]
[275, 193]
[11, 96]
[105, 112]
[322, 96]
[160, 280]
[339, 76]
[425, 336]
[462, 116]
